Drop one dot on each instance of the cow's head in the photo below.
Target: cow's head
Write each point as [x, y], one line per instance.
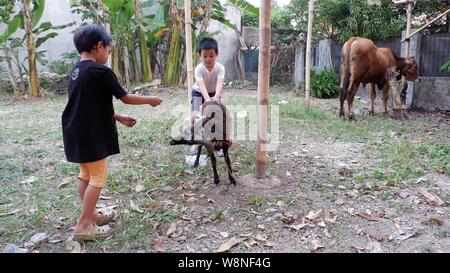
[410, 69]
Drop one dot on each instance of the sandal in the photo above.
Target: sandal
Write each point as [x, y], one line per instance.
[105, 217]
[97, 232]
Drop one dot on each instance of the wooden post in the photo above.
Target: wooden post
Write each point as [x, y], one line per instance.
[408, 22]
[308, 52]
[426, 25]
[263, 87]
[188, 32]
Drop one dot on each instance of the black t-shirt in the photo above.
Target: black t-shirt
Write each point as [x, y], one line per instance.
[89, 128]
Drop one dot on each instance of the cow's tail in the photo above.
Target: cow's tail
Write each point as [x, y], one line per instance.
[345, 70]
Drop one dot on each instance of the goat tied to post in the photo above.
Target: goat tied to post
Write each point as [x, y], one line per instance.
[212, 130]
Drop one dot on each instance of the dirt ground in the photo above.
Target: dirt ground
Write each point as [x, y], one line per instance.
[374, 184]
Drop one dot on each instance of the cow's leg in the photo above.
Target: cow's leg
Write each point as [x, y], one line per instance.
[350, 96]
[228, 161]
[343, 91]
[385, 94]
[372, 96]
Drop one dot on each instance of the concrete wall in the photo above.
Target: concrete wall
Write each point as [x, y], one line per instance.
[58, 13]
[299, 70]
[432, 93]
[228, 41]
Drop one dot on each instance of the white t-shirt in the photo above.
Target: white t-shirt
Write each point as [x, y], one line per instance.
[209, 77]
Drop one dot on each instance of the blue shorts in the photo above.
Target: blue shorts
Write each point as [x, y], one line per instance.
[198, 100]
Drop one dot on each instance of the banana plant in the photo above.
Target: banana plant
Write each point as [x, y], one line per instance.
[28, 16]
[143, 49]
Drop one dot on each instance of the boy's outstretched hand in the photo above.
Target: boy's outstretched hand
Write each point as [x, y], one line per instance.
[125, 120]
[155, 101]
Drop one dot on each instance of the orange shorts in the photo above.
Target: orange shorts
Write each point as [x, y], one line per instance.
[96, 173]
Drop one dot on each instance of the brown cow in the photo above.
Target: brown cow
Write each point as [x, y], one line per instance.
[362, 62]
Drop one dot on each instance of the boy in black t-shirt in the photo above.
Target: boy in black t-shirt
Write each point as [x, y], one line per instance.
[89, 124]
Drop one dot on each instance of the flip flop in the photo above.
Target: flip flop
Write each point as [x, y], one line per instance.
[97, 232]
[106, 217]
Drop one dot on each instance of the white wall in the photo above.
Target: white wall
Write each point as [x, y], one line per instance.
[228, 41]
[58, 13]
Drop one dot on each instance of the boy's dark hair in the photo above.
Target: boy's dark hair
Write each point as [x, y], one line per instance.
[207, 43]
[87, 37]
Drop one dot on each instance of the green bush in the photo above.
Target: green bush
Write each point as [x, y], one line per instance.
[446, 66]
[324, 83]
[65, 64]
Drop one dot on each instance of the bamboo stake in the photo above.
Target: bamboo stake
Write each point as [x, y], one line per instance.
[263, 87]
[308, 52]
[188, 33]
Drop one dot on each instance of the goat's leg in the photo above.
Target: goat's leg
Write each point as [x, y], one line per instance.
[228, 161]
[214, 167]
[197, 159]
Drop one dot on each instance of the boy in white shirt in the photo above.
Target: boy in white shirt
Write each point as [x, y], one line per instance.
[209, 76]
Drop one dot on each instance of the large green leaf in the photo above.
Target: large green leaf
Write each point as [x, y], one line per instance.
[12, 27]
[245, 6]
[148, 3]
[42, 40]
[38, 10]
[113, 5]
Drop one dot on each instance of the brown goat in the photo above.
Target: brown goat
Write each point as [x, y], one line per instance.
[211, 131]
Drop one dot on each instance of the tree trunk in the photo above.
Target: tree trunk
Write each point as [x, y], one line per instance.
[20, 70]
[126, 66]
[263, 87]
[135, 73]
[11, 75]
[33, 75]
[172, 74]
[143, 49]
[116, 61]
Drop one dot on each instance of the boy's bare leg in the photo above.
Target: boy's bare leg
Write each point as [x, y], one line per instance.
[82, 185]
[90, 198]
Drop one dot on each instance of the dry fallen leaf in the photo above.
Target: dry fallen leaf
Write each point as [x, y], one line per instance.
[172, 229]
[260, 238]
[288, 218]
[366, 216]
[322, 224]
[201, 236]
[10, 213]
[358, 248]
[433, 221]
[313, 215]
[316, 244]
[158, 246]
[74, 247]
[226, 246]
[64, 183]
[372, 232]
[327, 233]
[296, 227]
[431, 198]
[136, 207]
[139, 188]
[210, 200]
[374, 247]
